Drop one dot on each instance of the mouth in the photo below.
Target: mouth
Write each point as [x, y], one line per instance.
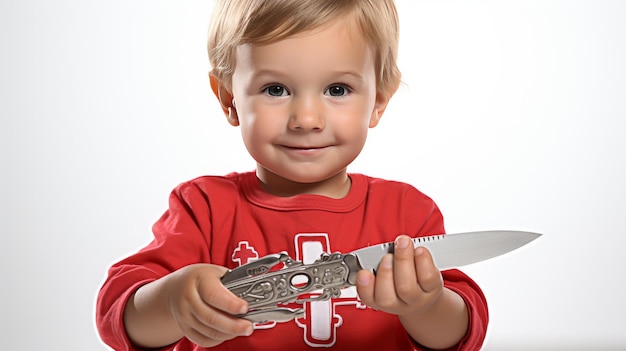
[307, 150]
[305, 147]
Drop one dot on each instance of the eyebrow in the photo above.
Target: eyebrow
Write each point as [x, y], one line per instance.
[349, 73]
[273, 73]
[267, 72]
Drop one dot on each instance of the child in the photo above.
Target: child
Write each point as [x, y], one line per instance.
[304, 80]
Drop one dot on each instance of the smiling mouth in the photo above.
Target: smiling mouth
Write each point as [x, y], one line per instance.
[305, 147]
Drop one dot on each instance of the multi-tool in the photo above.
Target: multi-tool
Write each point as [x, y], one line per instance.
[278, 279]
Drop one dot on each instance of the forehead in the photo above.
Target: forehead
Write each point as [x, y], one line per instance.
[337, 46]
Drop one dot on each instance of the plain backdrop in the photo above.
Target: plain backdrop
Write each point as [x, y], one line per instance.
[511, 116]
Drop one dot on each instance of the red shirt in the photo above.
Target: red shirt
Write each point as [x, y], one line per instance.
[229, 221]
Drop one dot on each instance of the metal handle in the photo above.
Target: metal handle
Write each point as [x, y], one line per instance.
[263, 287]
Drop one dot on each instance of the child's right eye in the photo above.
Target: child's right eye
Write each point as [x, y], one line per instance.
[276, 90]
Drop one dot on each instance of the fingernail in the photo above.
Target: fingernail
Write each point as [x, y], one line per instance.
[387, 261]
[419, 251]
[248, 331]
[402, 242]
[363, 279]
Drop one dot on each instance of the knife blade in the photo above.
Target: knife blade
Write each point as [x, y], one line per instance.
[453, 250]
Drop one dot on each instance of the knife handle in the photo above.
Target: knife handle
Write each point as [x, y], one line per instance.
[263, 286]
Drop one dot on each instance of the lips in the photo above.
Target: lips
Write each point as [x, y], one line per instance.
[305, 147]
[311, 146]
[305, 150]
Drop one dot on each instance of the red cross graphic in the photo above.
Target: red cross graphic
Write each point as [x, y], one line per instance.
[244, 253]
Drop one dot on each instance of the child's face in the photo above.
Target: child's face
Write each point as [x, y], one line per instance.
[305, 104]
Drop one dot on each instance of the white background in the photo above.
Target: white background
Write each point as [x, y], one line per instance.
[512, 116]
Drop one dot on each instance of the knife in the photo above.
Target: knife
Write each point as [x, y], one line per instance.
[279, 279]
[454, 250]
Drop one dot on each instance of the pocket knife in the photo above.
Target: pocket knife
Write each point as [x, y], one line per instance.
[278, 279]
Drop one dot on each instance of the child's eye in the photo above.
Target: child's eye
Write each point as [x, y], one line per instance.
[337, 90]
[275, 90]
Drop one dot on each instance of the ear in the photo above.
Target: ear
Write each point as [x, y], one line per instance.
[380, 105]
[225, 97]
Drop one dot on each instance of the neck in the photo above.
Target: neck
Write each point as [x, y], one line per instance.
[337, 186]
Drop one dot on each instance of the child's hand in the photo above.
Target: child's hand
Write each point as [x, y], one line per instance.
[406, 282]
[203, 308]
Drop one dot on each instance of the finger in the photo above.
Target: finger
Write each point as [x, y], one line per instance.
[384, 290]
[365, 287]
[428, 276]
[208, 336]
[203, 326]
[217, 325]
[218, 296]
[205, 339]
[404, 271]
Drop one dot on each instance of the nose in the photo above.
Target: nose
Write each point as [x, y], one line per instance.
[306, 114]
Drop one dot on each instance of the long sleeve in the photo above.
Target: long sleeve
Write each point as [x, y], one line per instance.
[178, 241]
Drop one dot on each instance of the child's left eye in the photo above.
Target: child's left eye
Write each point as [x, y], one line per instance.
[337, 90]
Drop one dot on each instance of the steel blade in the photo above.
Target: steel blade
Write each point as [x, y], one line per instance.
[454, 250]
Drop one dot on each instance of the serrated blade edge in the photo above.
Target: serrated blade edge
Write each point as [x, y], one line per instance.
[454, 250]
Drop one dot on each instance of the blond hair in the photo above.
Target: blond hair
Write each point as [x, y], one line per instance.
[237, 22]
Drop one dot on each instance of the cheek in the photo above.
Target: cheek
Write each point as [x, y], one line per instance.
[353, 123]
[258, 125]
[253, 139]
